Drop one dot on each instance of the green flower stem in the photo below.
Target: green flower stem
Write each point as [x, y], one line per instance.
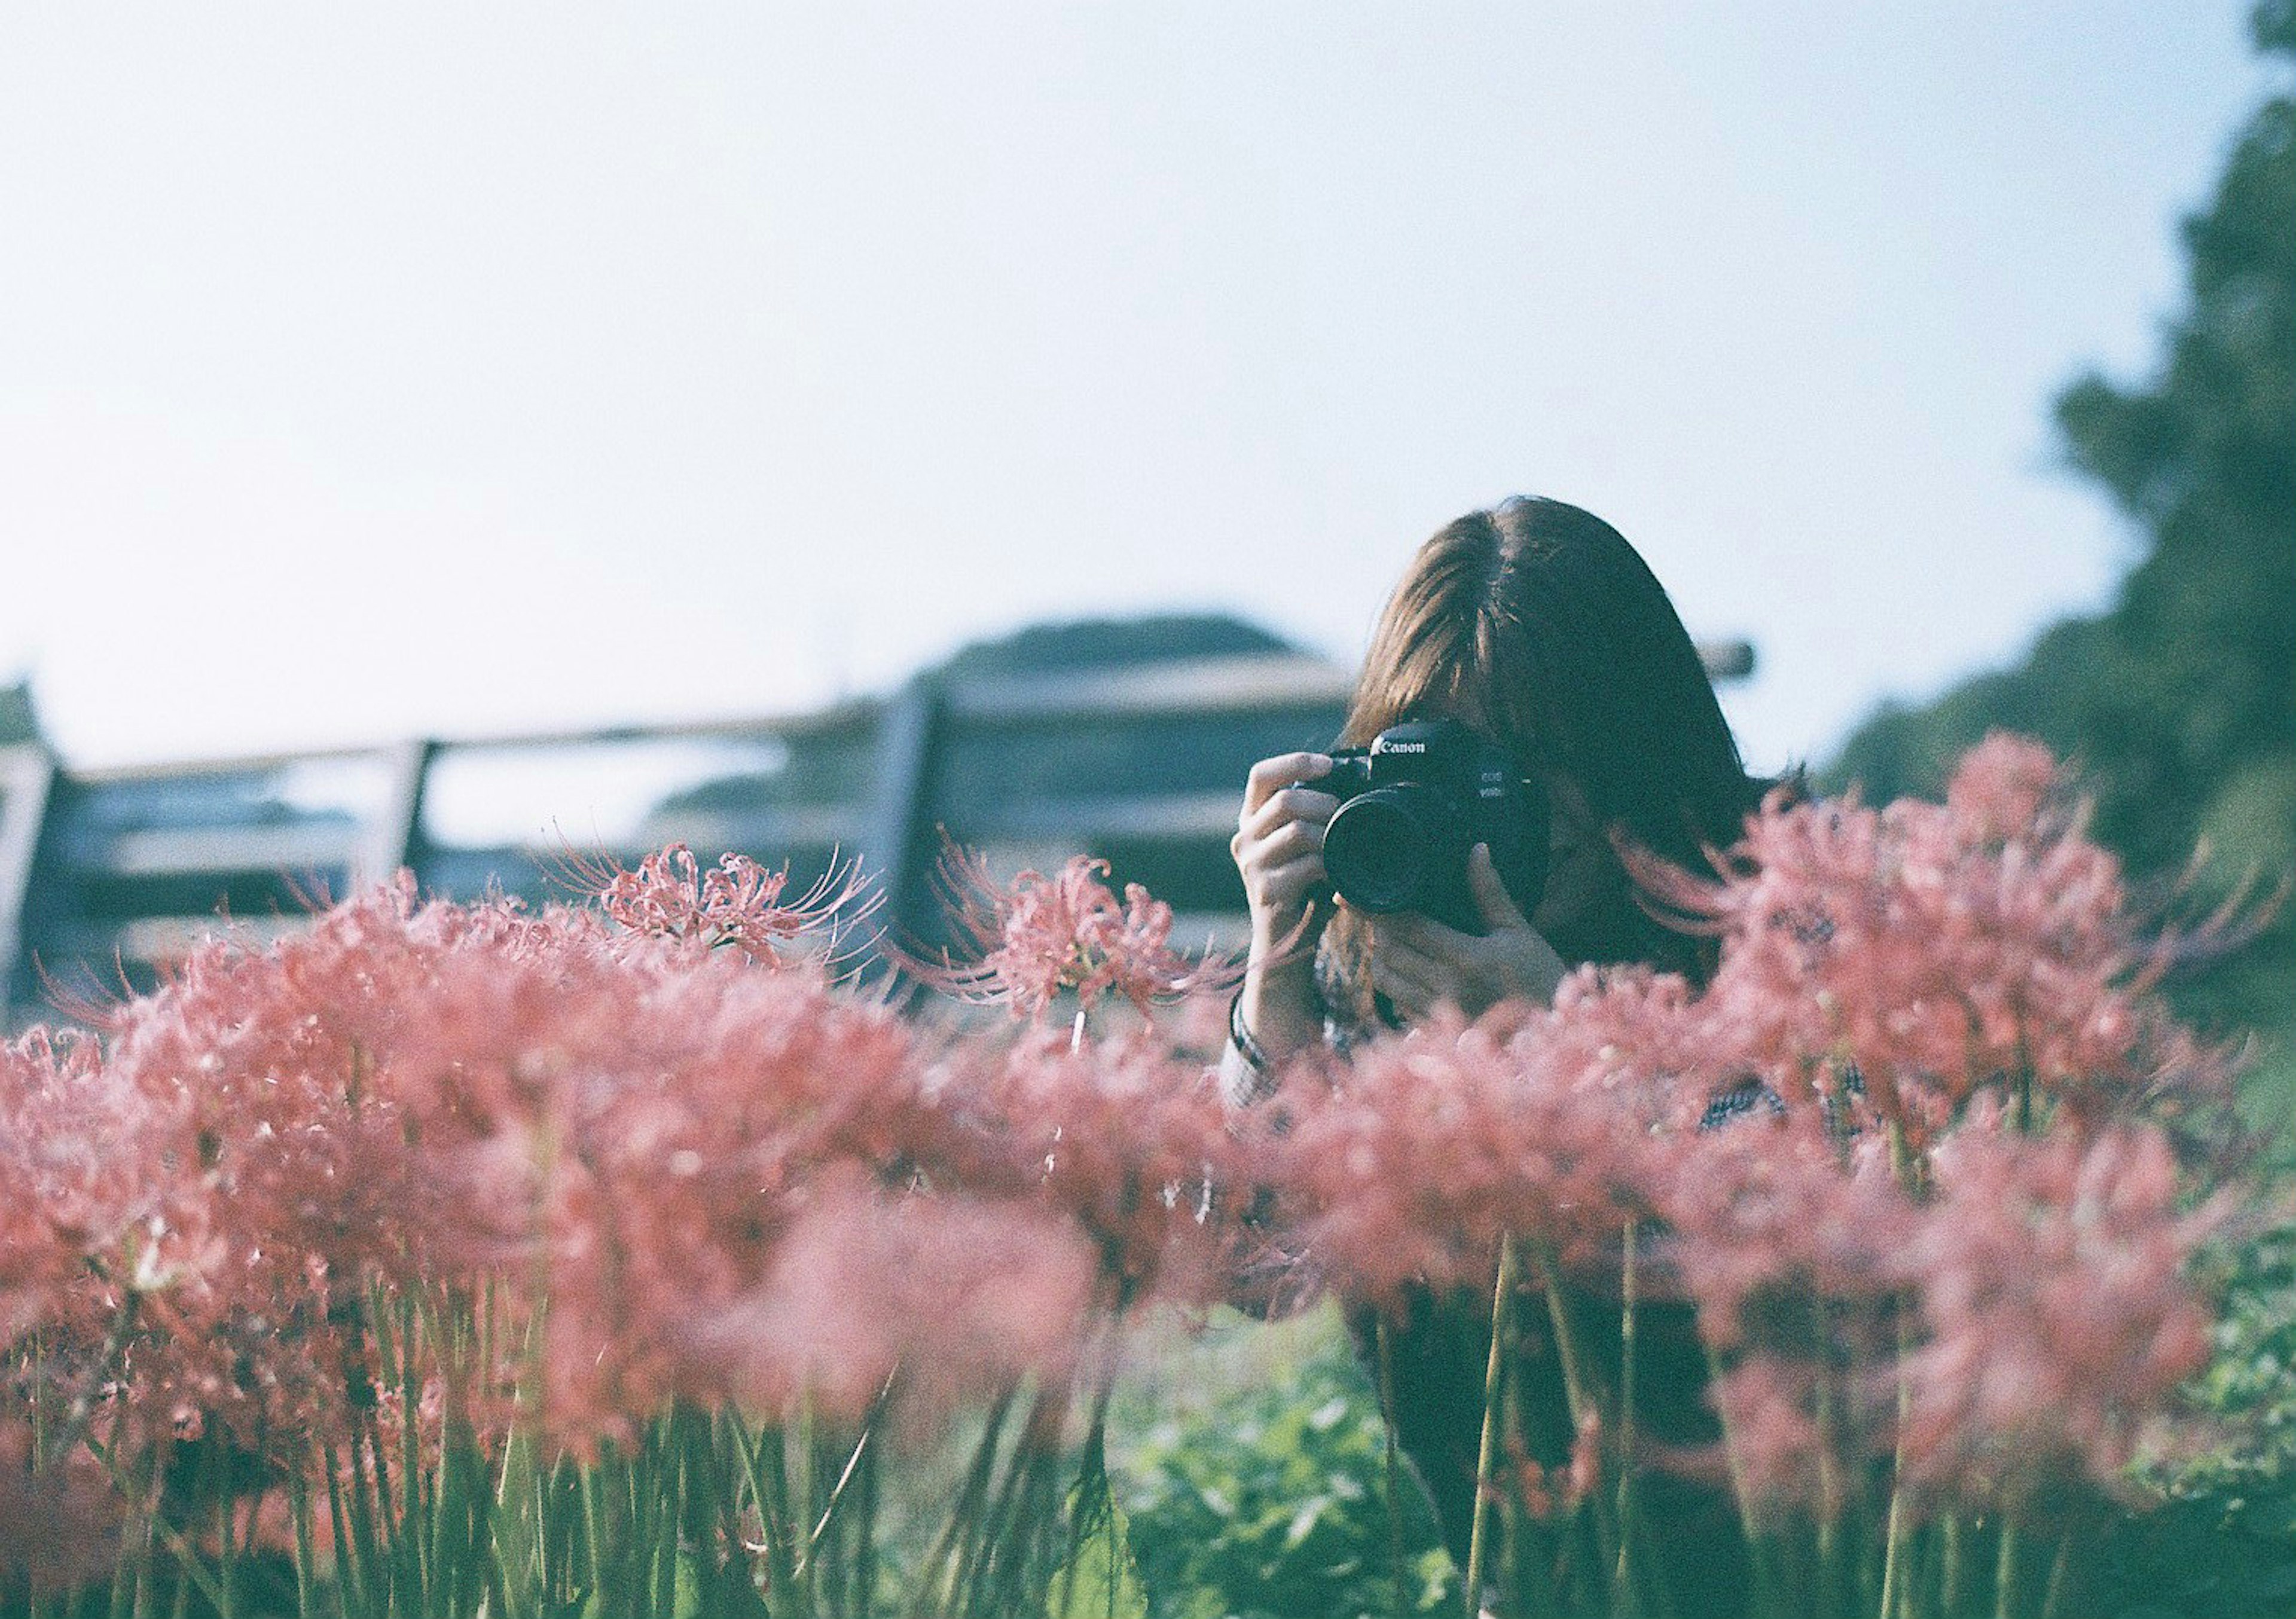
[1832, 1502]
[350, 1569]
[605, 1585]
[1000, 1575]
[2059, 1572]
[667, 1512]
[1580, 1391]
[1486, 1453]
[190, 1571]
[772, 1517]
[709, 1522]
[864, 1557]
[141, 1497]
[1510, 1507]
[2007, 1571]
[797, 1470]
[861, 1449]
[1392, 1467]
[1896, 1561]
[368, 1489]
[394, 1326]
[1761, 1550]
[1627, 1574]
[1897, 1573]
[299, 1501]
[219, 1472]
[1949, 1585]
[933, 1576]
[517, 1565]
[987, 1536]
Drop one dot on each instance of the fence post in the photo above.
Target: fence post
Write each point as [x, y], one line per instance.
[895, 842]
[393, 838]
[27, 773]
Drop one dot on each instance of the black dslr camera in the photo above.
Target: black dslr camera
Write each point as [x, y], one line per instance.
[1412, 806]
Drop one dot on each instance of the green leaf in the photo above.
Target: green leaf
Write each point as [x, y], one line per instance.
[516, 1537]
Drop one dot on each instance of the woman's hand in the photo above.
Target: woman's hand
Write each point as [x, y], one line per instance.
[1279, 848]
[1418, 963]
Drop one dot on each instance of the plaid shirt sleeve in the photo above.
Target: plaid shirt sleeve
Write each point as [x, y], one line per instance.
[1241, 1081]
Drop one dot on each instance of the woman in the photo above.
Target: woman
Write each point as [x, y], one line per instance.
[1536, 624]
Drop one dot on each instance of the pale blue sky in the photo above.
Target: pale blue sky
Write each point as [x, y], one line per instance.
[447, 372]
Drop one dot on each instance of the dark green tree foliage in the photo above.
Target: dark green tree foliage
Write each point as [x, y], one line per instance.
[18, 721]
[2180, 702]
[1094, 643]
[2276, 25]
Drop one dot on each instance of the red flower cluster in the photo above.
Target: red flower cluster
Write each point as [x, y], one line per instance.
[1963, 1125]
[1898, 960]
[1130, 1142]
[943, 1301]
[2051, 1275]
[678, 1173]
[1409, 1166]
[1028, 942]
[662, 1162]
[736, 903]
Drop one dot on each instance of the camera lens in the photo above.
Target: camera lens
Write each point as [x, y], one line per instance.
[1377, 848]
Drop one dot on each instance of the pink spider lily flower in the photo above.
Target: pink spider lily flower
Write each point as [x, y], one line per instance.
[1432, 1147]
[2061, 1319]
[626, 1134]
[80, 1155]
[1933, 950]
[1786, 1447]
[1769, 1230]
[282, 1180]
[1793, 1258]
[1120, 1136]
[1641, 1040]
[2005, 787]
[939, 1301]
[1026, 942]
[737, 904]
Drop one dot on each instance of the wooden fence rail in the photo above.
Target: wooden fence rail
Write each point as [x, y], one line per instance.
[107, 874]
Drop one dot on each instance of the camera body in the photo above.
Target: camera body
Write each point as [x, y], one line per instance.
[1413, 805]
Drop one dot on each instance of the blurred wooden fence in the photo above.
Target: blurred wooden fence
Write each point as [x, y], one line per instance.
[106, 875]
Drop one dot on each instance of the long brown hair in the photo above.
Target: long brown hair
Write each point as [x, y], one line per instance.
[1537, 622]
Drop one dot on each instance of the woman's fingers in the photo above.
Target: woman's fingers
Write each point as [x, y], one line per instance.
[1280, 872]
[1278, 846]
[1407, 995]
[1413, 980]
[1425, 934]
[1286, 806]
[1271, 776]
[1499, 911]
[1286, 886]
[1279, 850]
[1281, 845]
[1473, 972]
